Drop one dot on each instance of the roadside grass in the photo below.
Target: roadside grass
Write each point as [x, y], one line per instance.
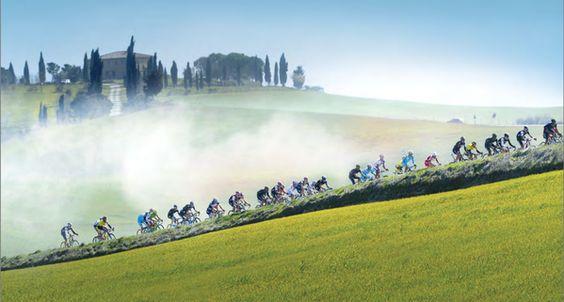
[500, 241]
[421, 182]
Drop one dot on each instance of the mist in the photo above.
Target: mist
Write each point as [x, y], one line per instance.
[123, 166]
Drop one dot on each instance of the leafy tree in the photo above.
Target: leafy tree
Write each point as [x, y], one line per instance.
[131, 72]
[96, 65]
[283, 67]
[71, 72]
[201, 81]
[224, 77]
[11, 74]
[165, 78]
[61, 109]
[85, 69]
[53, 69]
[238, 74]
[267, 75]
[298, 77]
[208, 72]
[174, 74]
[26, 74]
[41, 69]
[276, 74]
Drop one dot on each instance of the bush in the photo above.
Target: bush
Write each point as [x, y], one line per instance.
[87, 105]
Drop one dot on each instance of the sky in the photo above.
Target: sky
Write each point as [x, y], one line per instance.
[473, 52]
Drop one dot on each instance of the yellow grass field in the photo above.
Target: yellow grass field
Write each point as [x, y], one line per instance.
[494, 242]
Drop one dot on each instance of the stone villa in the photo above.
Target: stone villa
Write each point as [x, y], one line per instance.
[114, 64]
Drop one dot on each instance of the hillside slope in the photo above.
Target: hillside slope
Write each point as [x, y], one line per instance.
[493, 242]
[425, 181]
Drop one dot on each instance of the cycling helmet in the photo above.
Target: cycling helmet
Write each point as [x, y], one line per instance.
[323, 178]
[358, 166]
[174, 206]
[553, 121]
[69, 225]
[494, 135]
[506, 135]
[473, 143]
[462, 138]
[434, 154]
[526, 128]
[410, 152]
[104, 218]
[266, 188]
[381, 155]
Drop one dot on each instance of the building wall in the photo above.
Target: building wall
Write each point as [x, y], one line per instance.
[114, 69]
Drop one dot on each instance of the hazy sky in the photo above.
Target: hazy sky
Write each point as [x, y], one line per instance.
[455, 52]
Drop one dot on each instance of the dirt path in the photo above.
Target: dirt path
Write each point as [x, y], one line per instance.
[115, 98]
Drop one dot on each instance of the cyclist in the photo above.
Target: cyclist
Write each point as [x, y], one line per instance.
[550, 130]
[380, 166]
[306, 187]
[368, 174]
[278, 191]
[153, 217]
[67, 231]
[353, 175]
[241, 200]
[214, 208]
[141, 221]
[188, 211]
[491, 145]
[320, 183]
[432, 161]
[456, 149]
[504, 144]
[522, 137]
[170, 215]
[469, 151]
[408, 162]
[263, 196]
[102, 226]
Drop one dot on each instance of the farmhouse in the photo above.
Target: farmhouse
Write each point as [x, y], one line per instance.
[114, 64]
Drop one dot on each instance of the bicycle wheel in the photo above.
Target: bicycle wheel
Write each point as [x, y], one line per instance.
[111, 236]
[96, 239]
[197, 219]
[159, 227]
[63, 244]
[74, 243]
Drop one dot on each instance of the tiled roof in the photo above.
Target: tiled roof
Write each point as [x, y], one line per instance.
[122, 54]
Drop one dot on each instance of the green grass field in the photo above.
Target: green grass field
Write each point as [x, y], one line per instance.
[494, 242]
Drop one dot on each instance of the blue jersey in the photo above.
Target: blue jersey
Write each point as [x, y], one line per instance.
[141, 218]
[407, 160]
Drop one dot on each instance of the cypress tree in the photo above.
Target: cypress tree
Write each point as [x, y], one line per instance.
[189, 74]
[11, 74]
[238, 73]
[41, 69]
[174, 74]
[224, 74]
[185, 79]
[26, 74]
[208, 72]
[131, 72]
[276, 74]
[85, 69]
[283, 70]
[267, 75]
[95, 86]
[165, 78]
[153, 77]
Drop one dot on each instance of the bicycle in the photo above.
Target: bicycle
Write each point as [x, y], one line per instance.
[70, 242]
[106, 235]
[158, 225]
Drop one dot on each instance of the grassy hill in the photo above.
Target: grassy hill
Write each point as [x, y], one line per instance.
[426, 181]
[494, 242]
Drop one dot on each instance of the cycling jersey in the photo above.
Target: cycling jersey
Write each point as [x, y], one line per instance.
[141, 219]
[521, 134]
[354, 172]
[101, 223]
[171, 212]
[429, 160]
[262, 194]
[471, 148]
[232, 200]
[378, 165]
[457, 147]
[549, 128]
[319, 184]
[406, 160]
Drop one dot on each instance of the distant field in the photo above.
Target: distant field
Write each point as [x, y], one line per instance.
[496, 242]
